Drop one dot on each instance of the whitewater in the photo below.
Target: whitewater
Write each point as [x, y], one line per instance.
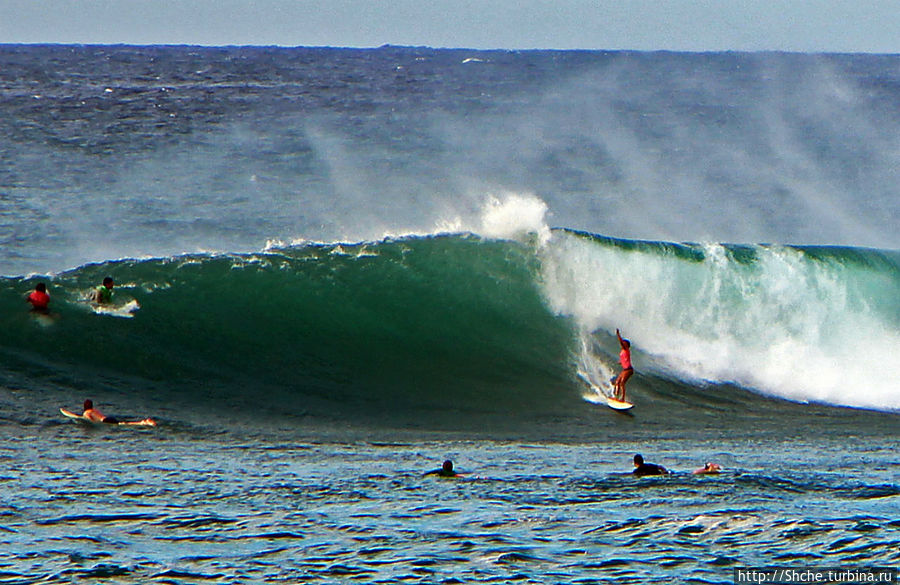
[336, 267]
[775, 320]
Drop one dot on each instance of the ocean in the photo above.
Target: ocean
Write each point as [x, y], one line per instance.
[336, 268]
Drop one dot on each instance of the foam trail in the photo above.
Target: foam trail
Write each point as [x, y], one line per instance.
[595, 372]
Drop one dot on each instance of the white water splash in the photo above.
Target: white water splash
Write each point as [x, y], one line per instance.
[513, 216]
[783, 324]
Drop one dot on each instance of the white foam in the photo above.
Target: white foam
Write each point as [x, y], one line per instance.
[783, 324]
[513, 216]
[508, 216]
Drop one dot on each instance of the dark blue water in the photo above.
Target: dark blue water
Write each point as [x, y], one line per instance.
[336, 268]
[120, 151]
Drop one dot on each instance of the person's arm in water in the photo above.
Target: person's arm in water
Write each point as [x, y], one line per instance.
[144, 422]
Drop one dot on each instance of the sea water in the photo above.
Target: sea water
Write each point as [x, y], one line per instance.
[354, 264]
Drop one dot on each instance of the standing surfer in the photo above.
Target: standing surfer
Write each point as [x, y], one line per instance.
[627, 370]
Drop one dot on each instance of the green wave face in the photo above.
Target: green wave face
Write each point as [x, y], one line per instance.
[469, 324]
[810, 324]
[429, 322]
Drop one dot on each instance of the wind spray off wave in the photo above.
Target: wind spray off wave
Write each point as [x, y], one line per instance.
[805, 324]
[506, 311]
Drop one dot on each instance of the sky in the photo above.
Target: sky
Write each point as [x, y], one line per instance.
[858, 26]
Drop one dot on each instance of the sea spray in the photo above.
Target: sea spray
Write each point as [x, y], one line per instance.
[515, 313]
[803, 324]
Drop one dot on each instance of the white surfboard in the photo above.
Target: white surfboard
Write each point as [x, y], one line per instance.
[618, 404]
[125, 311]
[598, 396]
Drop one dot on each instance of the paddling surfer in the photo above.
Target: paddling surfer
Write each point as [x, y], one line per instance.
[94, 415]
[641, 468]
[103, 294]
[446, 470]
[627, 369]
[39, 299]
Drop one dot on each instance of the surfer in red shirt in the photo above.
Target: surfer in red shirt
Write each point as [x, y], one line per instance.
[39, 299]
[627, 370]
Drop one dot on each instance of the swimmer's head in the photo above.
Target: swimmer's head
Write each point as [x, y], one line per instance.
[88, 404]
[638, 460]
[447, 466]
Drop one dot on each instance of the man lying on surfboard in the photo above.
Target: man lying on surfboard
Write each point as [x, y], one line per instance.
[93, 415]
[627, 370]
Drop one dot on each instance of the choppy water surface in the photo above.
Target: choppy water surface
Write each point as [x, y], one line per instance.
[353, 264]
[167, 507]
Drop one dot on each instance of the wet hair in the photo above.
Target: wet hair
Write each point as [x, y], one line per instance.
[638, 459]
[88, 404]
[41, 287]
[447, 467]
[108, 280]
